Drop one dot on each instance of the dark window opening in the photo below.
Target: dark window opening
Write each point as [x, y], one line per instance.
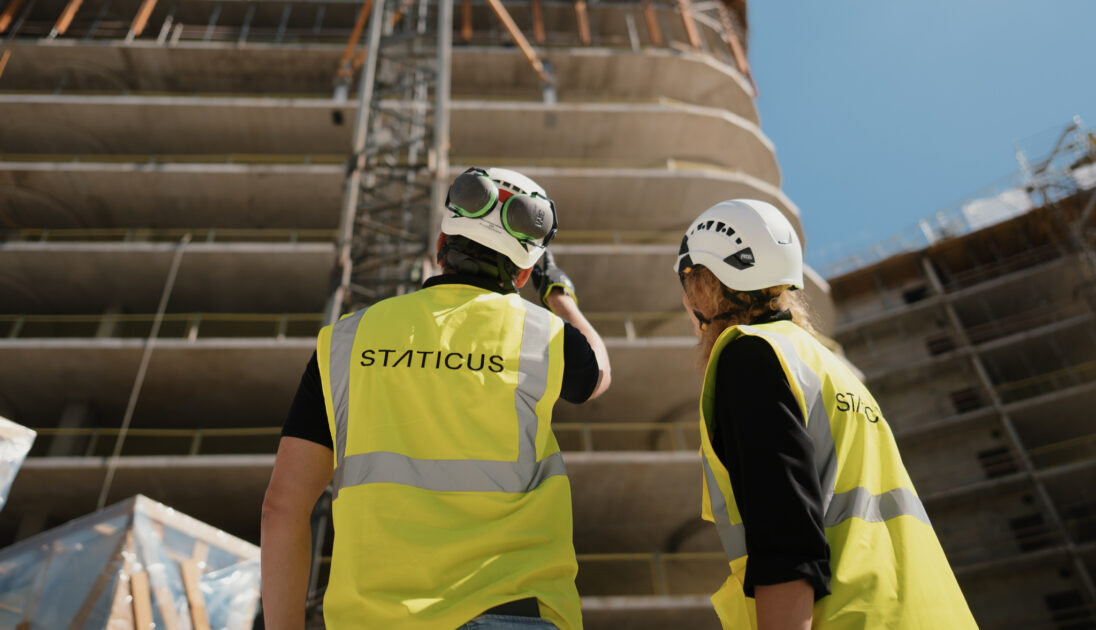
[940, 344]
[915, 294]
[967, 399]
[1031, 532]
[1070, 611]
[998, 462]
[1081, 522]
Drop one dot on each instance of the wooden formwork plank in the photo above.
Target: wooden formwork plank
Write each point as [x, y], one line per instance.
[466, 31]
[731, 35]
[141, 19]
[67, 15]
[142, 600]
[539, 35]
[8, 16]
[191, 580]
[346, 71]
[518, 37]
[582, 19]
[686, 8]
[654, 31]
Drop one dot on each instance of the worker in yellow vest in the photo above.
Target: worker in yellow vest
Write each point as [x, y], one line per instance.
[819, 520]
[430, 415]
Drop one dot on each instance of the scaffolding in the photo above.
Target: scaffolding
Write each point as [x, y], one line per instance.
[397, 171]
[979, 347]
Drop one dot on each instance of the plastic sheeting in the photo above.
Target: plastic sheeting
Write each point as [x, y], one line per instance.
[15, 443]
[135, 565]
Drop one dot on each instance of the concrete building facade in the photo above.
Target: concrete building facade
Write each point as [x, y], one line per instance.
[171, 177]
[981, 351]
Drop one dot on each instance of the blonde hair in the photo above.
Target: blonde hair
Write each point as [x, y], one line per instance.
[710, 297]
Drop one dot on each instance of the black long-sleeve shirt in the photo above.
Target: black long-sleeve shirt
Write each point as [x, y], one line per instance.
[760, 436]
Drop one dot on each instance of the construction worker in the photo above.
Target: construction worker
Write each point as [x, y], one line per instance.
[430, 414]
[819, 520]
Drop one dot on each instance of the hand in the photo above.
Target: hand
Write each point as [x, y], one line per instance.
[547, 277]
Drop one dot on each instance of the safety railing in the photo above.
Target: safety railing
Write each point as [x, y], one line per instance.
[572, 437]
[629, 25]
[627, 436]
[244, 159]
[326, 159]
[192, 326]
[881, 358]
[1009, 264]
[187, 326]
[972, 545]
[144, 235]
[959, 472]
[945, 407]
[1024, 321]
[1049, 382]
[99, 442]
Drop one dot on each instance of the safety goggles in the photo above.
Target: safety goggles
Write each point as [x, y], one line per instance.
[523, 215]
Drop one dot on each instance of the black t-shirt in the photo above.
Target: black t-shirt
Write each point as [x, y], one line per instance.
[307, 418]
[760, 436]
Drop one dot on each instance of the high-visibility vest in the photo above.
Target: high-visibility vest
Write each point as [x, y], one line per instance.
[450, 494]
[888, 569]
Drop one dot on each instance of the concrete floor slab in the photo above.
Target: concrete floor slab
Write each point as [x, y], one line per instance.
[213, 383]
[597, 133]
[593, 202]
[608, 518]
[650, 384]
[599, 74]
[93, 277]
[170, 195]
[228, 373]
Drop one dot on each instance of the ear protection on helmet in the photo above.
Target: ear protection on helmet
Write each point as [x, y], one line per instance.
[528, 217]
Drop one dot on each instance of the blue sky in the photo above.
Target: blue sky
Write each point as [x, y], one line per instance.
[886, 112]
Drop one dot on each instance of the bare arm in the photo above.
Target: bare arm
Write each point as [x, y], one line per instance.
[302, 470]
[564, 306]
[786, 606]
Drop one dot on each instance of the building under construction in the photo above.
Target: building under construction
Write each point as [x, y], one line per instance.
[981, 350]
[189, 188]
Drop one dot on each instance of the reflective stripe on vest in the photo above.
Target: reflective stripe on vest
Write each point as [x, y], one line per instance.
[836, 508]
[450, 475]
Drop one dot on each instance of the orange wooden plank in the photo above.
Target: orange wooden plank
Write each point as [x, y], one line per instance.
[345, 71]
[538, 23]
[191, 578]
[583, 21]
[518, 37]
[687, 20]
[653, 29]
[466, 31]
[141, 19]
[8, 15]
[67, 15]
[142, 600]
[731, 35]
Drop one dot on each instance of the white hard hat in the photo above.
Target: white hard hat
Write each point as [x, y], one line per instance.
[487, 227]
[747, 244]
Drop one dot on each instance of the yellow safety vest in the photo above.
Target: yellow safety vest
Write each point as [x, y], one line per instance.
[450, 491]
[888, 569]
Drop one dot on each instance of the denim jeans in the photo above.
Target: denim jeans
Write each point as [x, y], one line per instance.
[508, 622]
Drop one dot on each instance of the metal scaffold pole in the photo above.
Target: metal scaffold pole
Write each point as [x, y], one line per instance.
[399, 161]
